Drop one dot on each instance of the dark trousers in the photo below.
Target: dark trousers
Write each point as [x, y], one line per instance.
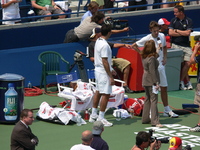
[133, 3]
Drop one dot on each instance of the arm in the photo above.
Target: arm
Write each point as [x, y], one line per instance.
[135, 47]
[107, 69]
[91, 51]
[9, 3]
[164, 55]
[192, 58]
[177, 32]
[24, 138]
[118, 45]
[120, 31]
[92, 59]
[54, 5]
[153, 145]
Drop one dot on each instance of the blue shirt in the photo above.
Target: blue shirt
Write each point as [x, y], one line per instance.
[88, 13]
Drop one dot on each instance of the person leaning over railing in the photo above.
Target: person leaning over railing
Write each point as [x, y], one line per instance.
[84, 30]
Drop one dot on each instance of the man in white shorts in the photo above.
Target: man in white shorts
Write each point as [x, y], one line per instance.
[160, 42]
[103, 75]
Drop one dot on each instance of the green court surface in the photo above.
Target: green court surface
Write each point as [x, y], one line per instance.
[119, 137]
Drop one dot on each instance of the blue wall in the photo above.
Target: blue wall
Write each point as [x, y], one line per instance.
[21, 46]
[24, 61]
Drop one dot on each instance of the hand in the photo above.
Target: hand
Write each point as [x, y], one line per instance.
[157, 87]
[197, 46]
[44, 8]
[114, 72]
[164, 61]
[56, 7]
[112, 81]
[128, 45]
[126, 29]
[158, 145]
[153, 145]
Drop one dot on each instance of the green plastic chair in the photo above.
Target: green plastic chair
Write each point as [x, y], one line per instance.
[51, 65]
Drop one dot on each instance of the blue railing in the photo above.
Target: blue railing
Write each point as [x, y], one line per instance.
[115, 10]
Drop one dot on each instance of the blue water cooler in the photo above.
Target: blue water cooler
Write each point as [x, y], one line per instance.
[11, 97]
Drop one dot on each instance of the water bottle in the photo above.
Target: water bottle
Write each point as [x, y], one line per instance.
[11, 97]
[79, 119]
[29, 84]
[118, 115]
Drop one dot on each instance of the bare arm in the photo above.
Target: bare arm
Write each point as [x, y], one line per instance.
[108, 71]
[9, 3]
[92, 59]
[118, 45]
[177, 32]
[135, 47]
[54, 5]
[196, 48]
[120, 31]
[164, 55]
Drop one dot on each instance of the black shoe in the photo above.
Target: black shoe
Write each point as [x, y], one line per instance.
[127, 90]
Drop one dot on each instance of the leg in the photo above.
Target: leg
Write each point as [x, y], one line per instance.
[96, 99]
[185, 69]
[104, 102]
[150, 2]
[184, 75]
[146, 108]
[154, 109]
[62, 16]
[47, 18]
[197, 102]
[164, 96]
[126, 75]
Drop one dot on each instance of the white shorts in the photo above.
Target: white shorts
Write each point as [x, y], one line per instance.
[163, 78]
[103, 83]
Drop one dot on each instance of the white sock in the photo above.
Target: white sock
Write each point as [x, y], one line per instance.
[101, 115]
[167, 109]
[94, 111]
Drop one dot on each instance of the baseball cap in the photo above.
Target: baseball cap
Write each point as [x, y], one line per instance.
[174, 143]
[97, 127]
[162, 21]
[95, 31]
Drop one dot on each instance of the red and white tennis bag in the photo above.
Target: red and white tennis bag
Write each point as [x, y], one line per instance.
[134, 105]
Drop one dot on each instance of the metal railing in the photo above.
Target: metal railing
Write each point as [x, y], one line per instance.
[114, 10]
